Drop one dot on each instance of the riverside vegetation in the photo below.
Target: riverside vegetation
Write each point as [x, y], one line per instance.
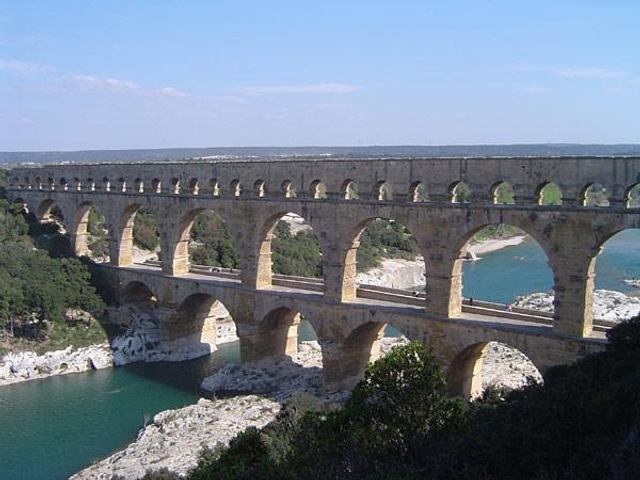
[399, 423]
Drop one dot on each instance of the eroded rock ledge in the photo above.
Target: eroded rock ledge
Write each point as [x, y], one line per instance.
[21, 366]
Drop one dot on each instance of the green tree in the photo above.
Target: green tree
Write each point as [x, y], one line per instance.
[212, 243]
[145, 231]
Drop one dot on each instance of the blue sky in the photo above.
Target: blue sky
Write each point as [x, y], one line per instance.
[78, 75]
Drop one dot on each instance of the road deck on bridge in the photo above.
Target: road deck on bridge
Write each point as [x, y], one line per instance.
[394, 304]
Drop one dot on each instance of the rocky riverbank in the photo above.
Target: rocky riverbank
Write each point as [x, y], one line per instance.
[22, 366]
[407, 274]
[608, 305]
[176, 437]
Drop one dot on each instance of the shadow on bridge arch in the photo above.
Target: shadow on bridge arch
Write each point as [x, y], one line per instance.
[615, 272]
[486, 365]
[375, 240]
[135, 236]
[502, 268]
[206, 239]
[287, 245]
[91, 235]
[199, 324]
[154, 331]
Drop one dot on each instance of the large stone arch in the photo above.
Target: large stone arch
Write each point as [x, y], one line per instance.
[121, 235]
[461, 250]
[465, 372]
[79, 235]
[361, 347]
[263, 262]
[136, 291]
[178, 254]
[192, 325]
[351, 243]
[43, 209]
[276, 335]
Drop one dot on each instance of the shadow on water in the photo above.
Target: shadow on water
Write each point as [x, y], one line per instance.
[188, 374]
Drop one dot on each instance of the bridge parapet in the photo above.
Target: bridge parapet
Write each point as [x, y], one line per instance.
[394, 179]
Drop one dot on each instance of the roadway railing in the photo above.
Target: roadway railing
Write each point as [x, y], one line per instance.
[393, 295]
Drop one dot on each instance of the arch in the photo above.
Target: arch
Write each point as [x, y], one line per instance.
[594, 195]
[287, 189]
[278, 333]
[138, 227]
[194, 186]
[418, 192]
[91, 185]
[175, 186]
[384, 192]
[317, 190]
[63, 184]
[370, 240]
[496, 291]
[208, 239]
[135, 292]
[89, 237]
[349, 190]
[138, 185]
[489, 364]
[156, 186]
[77, 184]
[361, 346]
[214, 187]
[548, 193]
[502, 193]
[617, 255]
[259, 188]
[38, 183]
[121, 185]
[459, 192]
[235, 188]
[287, 246]
[51, 183]
[46, 210]
[106, 184]
[194, 324]
[632, 196]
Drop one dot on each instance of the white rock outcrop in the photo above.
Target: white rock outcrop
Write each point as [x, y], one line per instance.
[144, 340]
[176, 437]
[21, 366]
[608, 305]
[395, 273]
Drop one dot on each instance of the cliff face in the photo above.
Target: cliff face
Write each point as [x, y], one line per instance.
[393, 273]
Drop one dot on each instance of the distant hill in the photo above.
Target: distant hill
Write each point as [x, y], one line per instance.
[162, 154]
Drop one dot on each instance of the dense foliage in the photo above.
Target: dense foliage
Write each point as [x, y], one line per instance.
[42, 299]
[145, 231]
[583, 423]
[212, 243]
[295, 254]
[385, 239]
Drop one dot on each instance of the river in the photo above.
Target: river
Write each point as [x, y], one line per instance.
[51, 428]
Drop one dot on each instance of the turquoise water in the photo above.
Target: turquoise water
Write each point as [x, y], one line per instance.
[51, 428]
[521, 269]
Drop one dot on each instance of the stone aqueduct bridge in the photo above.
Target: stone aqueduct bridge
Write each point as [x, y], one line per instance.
[252, 195]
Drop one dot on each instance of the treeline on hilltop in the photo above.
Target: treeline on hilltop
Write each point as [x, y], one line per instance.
[399, 423]
[45, 302]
